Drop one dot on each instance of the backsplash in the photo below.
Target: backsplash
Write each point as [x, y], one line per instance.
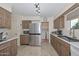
[2, 30]
[9, 32]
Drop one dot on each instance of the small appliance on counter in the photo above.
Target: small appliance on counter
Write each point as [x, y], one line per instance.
[59, 32]
[3, 36]
[26, 31]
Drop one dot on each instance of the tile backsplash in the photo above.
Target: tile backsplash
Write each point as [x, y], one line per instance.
[3, 30]
[9, 33]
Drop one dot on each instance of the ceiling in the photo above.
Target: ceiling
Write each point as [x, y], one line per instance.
[46, 9]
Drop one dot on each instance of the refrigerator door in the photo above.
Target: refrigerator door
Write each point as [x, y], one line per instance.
[35, 28]
[35, 34]
[35, 40]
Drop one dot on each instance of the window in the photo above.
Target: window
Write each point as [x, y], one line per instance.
[75, 23]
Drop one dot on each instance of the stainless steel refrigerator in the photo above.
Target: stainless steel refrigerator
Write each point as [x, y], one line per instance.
[35, 34]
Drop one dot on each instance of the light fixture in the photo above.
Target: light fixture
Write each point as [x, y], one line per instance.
[37, 9]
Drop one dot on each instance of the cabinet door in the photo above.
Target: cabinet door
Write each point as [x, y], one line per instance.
[2, 17]
[13, 47]
[65, 49]
[26, 24]
[29, 24]
[59, 22]
[24, 39]
[1, 20]
[5, 49]
[5, 18]
[8, 20]
[62, 22]
[56, 23]
[45, 25]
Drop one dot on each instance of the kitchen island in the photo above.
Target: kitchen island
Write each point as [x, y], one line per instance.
[62, 46]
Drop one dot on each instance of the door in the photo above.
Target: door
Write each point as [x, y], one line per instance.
[45, 30]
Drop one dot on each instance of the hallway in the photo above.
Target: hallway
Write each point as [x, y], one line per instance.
[45, 50]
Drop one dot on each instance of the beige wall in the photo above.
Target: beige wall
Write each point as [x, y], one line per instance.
[6, 6]
[62, 11]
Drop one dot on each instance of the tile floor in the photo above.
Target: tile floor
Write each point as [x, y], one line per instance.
[45, 50]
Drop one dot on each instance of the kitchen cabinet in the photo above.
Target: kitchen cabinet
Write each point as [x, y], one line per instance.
[26, 24]
[45, 25]
[65, 49]
[13, 47]
[8, 48]
[5, 49]
[61, 47]
[8, 20]
[24, 39]
[59, 22]
[62, 22]
[5, 18]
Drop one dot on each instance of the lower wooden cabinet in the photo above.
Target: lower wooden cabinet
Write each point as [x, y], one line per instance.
[5, 49]
[9, 48]
[13, 47]
[61, 47]
[24, 39]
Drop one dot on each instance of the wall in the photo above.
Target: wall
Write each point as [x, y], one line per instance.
[6, 6]
[62, 11]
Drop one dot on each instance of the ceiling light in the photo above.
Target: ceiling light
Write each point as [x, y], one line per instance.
[37, 9]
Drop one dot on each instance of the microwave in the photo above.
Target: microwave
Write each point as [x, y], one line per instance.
[25, 32]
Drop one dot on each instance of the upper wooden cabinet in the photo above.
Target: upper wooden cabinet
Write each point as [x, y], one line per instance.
[59, 22]
[45, 25]
[26, 24]
[5, 18]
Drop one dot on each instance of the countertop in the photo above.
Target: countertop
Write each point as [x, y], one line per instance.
[24, 34]
[8, 39]
[71, 43]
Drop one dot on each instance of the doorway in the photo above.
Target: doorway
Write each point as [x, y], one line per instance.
[45, 31]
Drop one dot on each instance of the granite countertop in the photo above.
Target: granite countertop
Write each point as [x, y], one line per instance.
[69, 42]
[9, 39]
